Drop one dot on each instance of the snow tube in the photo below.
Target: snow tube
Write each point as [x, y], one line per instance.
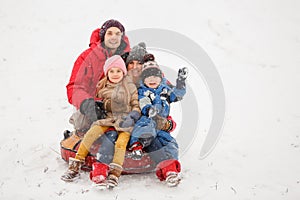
[70, 144]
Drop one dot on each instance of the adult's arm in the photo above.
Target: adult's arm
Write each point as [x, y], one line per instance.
[78, 88]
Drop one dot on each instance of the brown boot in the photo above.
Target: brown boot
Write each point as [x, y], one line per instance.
[73, 170]
[115, 171]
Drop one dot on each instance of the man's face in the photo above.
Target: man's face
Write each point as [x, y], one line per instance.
[152, 81]
[112, 38]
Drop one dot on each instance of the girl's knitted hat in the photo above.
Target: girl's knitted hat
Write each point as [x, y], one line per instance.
[114, 61]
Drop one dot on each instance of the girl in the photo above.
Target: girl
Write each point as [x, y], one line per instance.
[120, 100]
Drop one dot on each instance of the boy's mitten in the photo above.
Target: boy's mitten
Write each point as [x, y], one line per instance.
[152, 112]
[182, 75]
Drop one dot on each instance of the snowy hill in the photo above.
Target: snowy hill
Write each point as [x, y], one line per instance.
[255, 47]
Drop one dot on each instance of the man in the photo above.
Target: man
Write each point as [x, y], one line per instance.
[86, 73]
[88, 70]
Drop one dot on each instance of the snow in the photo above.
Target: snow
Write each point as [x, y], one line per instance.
[255, 47]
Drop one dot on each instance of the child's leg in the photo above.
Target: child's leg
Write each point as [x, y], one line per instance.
[156, 151]
[115, 168]
[89, 138]
[144, 132]
[120, 148]
[170, 145]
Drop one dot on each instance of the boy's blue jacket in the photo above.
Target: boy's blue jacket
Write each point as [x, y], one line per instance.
[160, 98]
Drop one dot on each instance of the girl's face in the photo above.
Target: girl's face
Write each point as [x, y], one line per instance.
[115, 74]
[152, 81]
[134, 68]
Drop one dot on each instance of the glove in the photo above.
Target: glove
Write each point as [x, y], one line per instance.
[164, 95]
[87, 108]
[152, 111]
[100, 111]
[135, 115]
[130, 119]
[182, 75]
[127, 122]
[92, 109]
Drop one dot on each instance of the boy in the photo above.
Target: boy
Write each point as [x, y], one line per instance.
[155, 97]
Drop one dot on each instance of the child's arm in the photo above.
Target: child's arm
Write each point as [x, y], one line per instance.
[145, 101]
[134, 101]
[135, 112]
[179, 90]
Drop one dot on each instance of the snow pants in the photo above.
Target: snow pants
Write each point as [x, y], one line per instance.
[162, 147]
[105, 152]
[144, 131]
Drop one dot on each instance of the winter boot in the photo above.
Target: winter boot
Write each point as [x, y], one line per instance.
[115, 171]
[137, 152]
[171, 125]
[99, 174]
[173, 179]
[73, 170]
[168, 170]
